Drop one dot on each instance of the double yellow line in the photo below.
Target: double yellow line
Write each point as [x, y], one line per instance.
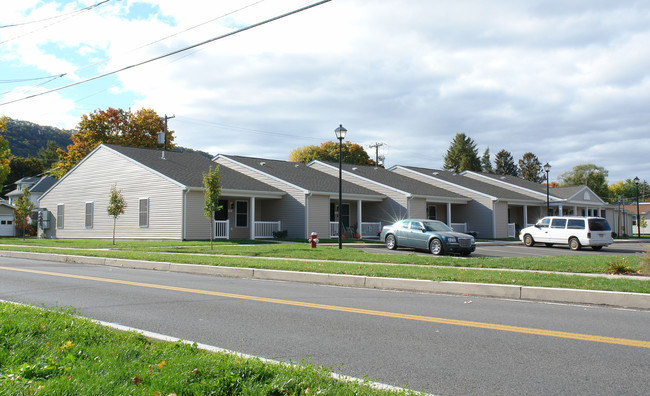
[360, 311]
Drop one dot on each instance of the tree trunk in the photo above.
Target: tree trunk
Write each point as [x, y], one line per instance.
[114, 221]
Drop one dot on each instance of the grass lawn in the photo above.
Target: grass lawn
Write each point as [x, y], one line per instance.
[56, 353]
[299, 257]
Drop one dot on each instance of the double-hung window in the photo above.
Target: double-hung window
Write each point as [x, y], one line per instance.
[60, 212]
[143, 221]
[241, 214]
[89, 214]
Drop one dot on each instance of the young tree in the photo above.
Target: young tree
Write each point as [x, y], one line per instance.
[212, 184]
[112, 126]
[462, 155]
[590, 175]
[352, 153]
[505, 164]
[486, 164]
[116, 206]
[24, 208]
[530, 168]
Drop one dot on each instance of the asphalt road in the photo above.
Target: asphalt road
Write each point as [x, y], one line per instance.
[446, 345]
[515, 249]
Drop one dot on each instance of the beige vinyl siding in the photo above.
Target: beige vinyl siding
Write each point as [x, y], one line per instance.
[418, 208]
[319, 215]
[501, 214]
[197, 225]
[92, 181]
[290, 209]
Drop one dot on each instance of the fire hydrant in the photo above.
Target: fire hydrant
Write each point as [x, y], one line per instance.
[313, 239]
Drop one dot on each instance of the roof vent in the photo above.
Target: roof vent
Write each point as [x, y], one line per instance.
[503, 178]
[296, 165]
[262, 163]
[354, 168]
[376, 168]
[435, 173]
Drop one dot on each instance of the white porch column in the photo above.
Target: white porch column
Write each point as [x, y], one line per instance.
[560, 211]
[525, 216]
[575, 211]
[359, 217]
[449, 214]
[252, 217]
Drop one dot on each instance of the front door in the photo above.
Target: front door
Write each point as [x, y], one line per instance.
[345, 216]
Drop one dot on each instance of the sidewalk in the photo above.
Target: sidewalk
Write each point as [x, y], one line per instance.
[589, 297]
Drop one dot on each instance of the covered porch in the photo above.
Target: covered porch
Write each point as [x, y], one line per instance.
[247, 217]
[355, 224]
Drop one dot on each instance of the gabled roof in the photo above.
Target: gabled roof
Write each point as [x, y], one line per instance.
[187, 168]
[43, 184]
[403, 184]
[302, 176]
[485, 188]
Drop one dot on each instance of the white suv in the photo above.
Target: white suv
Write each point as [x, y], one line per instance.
[571, 230]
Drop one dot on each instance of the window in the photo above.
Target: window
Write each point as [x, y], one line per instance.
[89, 215]
[544, 223]
[576, 224]
[144, 213]
[60, 216]
[241, 214]
[405, 224]
[416, 225]
[431, 212]
[558, 223]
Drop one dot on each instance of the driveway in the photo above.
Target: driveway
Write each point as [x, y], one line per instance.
[517, 249]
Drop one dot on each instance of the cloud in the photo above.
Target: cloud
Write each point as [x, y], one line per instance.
[567, 81]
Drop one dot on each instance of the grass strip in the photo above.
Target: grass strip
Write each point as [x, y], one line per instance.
[54, 352]
[540, 278]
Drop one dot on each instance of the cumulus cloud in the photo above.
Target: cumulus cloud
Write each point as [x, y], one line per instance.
[567, 81]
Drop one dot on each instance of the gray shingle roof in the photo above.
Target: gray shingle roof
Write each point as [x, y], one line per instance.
[517, 181]
[43, 184]
[187, 168]
[400, 182]
[301, 175]
[473, 184]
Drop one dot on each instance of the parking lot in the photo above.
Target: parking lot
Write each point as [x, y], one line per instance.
[517, 249]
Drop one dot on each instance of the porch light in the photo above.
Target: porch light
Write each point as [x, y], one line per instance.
[340, 135]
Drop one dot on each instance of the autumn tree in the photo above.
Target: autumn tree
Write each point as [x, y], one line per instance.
[24, 208]
[111, 126]
[462, 155]
[116, 206]
[505, 164]
[212, 185]
[627, 190]
[486, 164]
[351, 153]
[530, 168]
[590, 175]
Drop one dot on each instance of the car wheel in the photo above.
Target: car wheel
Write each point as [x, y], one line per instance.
[391, 244]
[574, 243]
[596, 247]
[528, 240]
[435, 246]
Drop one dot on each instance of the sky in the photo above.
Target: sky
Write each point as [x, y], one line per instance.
[568, 81]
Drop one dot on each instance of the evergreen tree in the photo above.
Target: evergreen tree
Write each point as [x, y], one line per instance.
[505, 164]
[462, 155]
[48, 155]
[486, 164]
[531, 169]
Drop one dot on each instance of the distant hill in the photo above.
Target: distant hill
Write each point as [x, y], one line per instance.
[26, 138]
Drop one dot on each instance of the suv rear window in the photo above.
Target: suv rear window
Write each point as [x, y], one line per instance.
[599, 225]
[576, 224]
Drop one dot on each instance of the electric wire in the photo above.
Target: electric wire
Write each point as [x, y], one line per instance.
[249, 27]
[56, 16]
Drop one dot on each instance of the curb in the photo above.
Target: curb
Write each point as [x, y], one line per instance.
[531, 293]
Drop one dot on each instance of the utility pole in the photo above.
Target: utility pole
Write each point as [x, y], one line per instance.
[167, 118]
[376, 147]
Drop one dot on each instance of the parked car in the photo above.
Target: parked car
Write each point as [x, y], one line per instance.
[572, 230]
[432, 235]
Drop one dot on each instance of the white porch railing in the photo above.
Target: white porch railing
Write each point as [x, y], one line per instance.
[265, 229]
[459, 227]
[512, 229]
[221, 229]
[370, 230]
[334, 229]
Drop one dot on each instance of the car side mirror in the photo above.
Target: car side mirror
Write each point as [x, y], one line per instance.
[422, 229]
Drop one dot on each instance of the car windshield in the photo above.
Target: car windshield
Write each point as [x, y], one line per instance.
[599, 225]
[436, 226]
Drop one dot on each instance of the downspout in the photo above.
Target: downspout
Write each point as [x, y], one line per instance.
[184, 222]
[408, 207]
[494, 219]
[306, 234]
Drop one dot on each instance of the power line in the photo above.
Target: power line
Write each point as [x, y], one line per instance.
[56, 16]
[170, 53]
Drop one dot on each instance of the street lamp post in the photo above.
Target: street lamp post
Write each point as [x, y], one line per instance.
[547, 168]
[340, 135]
[638, 219]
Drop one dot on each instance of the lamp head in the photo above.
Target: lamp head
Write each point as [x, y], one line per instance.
[340, 132]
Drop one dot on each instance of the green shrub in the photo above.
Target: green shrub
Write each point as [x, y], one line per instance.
[619, 266]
